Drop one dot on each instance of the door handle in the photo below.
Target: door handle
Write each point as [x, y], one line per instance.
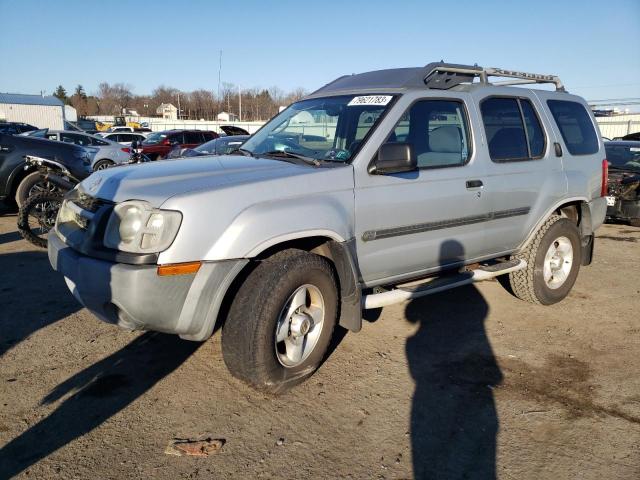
[474, 183]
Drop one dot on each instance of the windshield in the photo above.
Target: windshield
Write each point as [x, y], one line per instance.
[330, 128]
[154, 138]
[624, 156]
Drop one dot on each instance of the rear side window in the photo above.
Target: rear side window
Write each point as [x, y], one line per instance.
[513, 129]
[192, 138]
[208, 136]
[575, 126]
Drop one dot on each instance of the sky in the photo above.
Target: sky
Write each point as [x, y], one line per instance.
[594, 46]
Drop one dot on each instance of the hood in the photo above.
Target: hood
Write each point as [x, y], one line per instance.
[232, 130]
[158, 181]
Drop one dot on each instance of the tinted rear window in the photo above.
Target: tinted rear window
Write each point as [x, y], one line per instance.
[504, 129]
[575, 126]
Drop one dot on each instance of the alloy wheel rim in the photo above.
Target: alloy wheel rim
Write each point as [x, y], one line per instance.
[299, 326]
[558, 262]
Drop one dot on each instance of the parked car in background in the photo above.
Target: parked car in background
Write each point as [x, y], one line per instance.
[635, 137]
[219, 146]
[623, 195]
[158, 144]
[16, 128]
[17, 183]
[108, 152]
[124, 138]
[119, 129]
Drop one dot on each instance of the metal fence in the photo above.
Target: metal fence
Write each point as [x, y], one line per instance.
[619, 126]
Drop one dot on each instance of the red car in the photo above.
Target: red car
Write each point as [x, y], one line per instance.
[159, 144]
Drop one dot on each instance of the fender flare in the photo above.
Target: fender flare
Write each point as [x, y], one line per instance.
[585, 227]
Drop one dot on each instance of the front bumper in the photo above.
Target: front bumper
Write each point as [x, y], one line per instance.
[135, 297]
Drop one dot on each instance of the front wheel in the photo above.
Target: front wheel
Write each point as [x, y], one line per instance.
[281, 321]
[37, 216]
[553, 260]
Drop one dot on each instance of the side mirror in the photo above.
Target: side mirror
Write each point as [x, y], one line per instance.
[395, 157]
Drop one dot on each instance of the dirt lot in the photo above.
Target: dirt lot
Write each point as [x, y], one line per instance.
[468, 384]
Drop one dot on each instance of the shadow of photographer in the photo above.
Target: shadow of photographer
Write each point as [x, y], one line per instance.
[454, 422]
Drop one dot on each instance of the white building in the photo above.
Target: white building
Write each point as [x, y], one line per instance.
[227, 117]
[168, 111]
[38, 110]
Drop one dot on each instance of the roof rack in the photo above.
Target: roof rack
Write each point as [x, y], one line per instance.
[445, 75]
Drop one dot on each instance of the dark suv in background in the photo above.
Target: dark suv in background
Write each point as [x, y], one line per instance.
[16, 182]
[15, 128]
[159, 144]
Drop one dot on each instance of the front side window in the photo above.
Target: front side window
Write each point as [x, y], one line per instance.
[331, 129]
[437, 131]
[575, 126]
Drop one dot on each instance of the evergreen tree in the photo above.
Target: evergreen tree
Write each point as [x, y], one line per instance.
[61, 93]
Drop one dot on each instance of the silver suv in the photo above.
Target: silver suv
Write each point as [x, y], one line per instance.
[375, 189]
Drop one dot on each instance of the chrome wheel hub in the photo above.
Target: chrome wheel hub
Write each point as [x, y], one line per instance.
[558, 262]
[299, 326]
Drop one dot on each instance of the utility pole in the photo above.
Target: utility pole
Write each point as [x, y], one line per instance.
[178, 105]
[219, 74]
[239, 104]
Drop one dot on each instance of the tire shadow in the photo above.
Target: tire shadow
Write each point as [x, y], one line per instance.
[97, 393]
[9, 237]
[32, 296]
[454, 422]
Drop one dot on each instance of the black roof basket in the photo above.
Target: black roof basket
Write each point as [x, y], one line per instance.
[443, 76]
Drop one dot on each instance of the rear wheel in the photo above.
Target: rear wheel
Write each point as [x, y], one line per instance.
[37, 216]
[103, 164]
[281, 321]
[553, 262]
[32, 184]
[634, 222]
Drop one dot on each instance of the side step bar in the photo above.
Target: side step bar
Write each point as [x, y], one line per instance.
[404, 293]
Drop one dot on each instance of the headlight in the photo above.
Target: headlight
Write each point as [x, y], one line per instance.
[137, 227]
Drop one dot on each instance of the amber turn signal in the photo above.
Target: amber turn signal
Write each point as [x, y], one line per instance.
[179, 268]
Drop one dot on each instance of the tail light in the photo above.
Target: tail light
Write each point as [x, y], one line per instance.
[166, 142]
[126, 150]
[604, 189]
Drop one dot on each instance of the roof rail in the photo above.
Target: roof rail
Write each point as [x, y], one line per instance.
[445, 75]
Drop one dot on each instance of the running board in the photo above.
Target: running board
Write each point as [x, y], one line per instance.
[435, 285]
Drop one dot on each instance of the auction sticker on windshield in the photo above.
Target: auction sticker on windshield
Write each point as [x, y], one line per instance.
[370, 100]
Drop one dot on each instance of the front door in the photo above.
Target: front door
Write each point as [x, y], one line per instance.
[414, 222]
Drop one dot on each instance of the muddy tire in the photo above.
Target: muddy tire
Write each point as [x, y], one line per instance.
[634, 222]
[553, 262]
[281, 321]
[37, 217]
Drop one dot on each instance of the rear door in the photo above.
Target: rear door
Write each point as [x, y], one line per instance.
[414, 222]
[524, 176]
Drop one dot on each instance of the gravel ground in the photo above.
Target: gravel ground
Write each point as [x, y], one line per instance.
[472, 383]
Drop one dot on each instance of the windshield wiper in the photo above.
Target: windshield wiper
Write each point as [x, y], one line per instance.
[288, 154]
[244, 151]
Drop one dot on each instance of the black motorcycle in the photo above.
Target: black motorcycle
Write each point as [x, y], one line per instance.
[37, 215]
